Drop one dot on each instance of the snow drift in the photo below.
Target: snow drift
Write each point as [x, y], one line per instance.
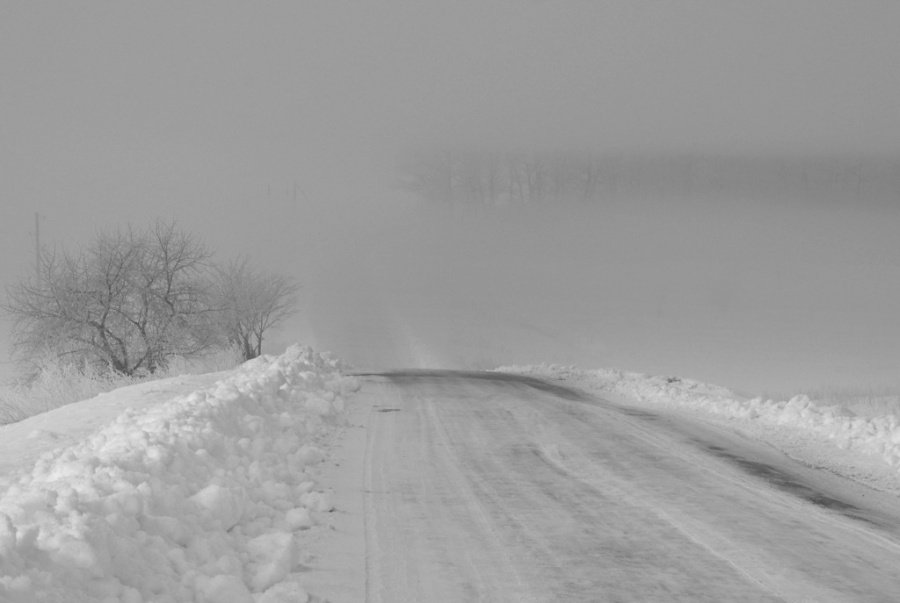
[201, 498]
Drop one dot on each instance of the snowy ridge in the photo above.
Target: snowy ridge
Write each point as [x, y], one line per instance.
[876, 437]
[201, 498]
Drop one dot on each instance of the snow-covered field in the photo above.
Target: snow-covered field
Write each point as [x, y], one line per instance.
[190, 489]
[828, 436]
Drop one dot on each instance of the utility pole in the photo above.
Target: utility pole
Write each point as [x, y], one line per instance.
[37, 244]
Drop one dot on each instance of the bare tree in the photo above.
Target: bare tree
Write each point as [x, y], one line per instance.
[130, 301]
[252, 302]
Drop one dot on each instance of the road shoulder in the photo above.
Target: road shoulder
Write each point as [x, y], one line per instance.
[336, 552]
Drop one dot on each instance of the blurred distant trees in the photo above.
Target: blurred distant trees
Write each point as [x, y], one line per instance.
[133, 299]
[481, 178]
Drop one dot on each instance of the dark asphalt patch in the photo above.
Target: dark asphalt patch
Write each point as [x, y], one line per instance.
[791, 485]
[634, 412]
[502, 379]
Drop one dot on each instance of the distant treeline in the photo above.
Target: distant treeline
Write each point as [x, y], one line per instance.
[496, 179]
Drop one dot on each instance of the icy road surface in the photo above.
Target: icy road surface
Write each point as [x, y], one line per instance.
[500, 488]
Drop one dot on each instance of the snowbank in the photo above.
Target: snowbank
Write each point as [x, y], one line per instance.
[878, 436]
[201, 498]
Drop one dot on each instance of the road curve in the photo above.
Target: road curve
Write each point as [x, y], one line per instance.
[491, 487]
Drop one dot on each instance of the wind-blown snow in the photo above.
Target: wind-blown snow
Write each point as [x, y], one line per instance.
[867, 448]
[200, 498]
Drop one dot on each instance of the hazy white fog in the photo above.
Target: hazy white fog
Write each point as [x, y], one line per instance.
[755, 297]
[274, 129]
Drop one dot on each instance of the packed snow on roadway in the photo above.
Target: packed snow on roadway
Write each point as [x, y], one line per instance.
[205, 496]
[831, 437]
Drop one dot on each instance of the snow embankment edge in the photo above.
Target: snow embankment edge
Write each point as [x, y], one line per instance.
[202, 498]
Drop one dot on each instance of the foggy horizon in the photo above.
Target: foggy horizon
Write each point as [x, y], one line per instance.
[736, 223]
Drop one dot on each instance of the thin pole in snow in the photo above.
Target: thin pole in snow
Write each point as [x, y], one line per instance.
[37, 244]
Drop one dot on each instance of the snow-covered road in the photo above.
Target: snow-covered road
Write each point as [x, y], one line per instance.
[502, 488]
[261, 485]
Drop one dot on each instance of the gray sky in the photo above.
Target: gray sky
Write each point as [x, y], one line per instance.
[262, 126]
[105, 104]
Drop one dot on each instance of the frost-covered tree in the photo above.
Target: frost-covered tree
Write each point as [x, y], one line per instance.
[129, 301]
[251, 303]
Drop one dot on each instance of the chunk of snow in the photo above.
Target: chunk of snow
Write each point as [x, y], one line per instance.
[223, 588]
[298, 519]
[272, 557]
[317, 501]
[224, 504]
[284, 592]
